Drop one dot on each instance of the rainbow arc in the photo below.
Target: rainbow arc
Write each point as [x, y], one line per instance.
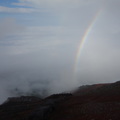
[83, 40]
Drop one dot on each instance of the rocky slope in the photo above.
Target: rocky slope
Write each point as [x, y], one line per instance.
[90, 102]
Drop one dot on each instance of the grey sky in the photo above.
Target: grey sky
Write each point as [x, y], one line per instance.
[38, 44]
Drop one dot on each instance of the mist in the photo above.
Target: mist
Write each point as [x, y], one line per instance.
[39, 44]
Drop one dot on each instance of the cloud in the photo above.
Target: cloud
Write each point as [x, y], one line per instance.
[63, 4]
[37, 55]
[17, 10]
[34, 56]
[52, 2]
[10, 35]
[22, 4]
[9, 26]
[99, 60]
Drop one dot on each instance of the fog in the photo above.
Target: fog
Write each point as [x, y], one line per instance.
[39, 43]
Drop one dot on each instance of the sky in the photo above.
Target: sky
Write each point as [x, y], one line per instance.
[52, 46]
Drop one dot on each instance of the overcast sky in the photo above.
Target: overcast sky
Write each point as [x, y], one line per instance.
[39, 40]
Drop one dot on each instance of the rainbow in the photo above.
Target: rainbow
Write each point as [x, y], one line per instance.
[83, 40]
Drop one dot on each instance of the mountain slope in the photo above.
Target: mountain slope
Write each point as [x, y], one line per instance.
[90, 102]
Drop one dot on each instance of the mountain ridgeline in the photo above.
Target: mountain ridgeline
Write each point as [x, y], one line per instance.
[89, 102]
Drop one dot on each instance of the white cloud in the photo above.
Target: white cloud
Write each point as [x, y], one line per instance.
[22, 4]
[66, 5]
[17, 10]
[8, 26]
[51, 2]
[63, 3]
[22, 40]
